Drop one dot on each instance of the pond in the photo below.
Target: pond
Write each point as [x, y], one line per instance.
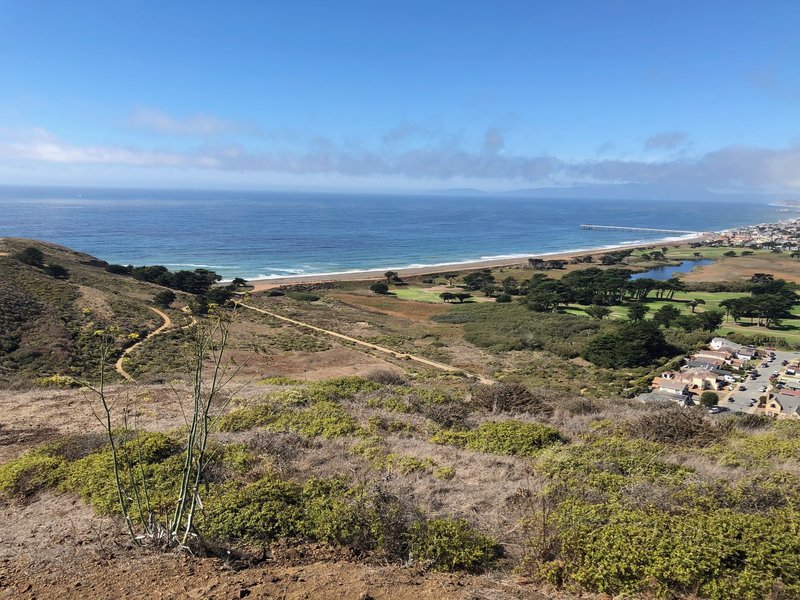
[664, 272]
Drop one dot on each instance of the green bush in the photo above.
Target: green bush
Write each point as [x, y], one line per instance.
[57, 381]
[608, 464]
[248, 417]
[33, 471]
[340, 388]
[512, 326]
[279, 381]
[325, 418]
[155, 458]
[444, 473]
[325, 510]
[31, 256]
[718, 554]
[260, 512]
[451, 545]
[502, 437]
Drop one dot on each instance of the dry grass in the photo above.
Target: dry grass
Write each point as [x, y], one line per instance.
[735, 268]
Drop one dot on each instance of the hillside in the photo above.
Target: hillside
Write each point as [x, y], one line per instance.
[47, 322]
[362, 443]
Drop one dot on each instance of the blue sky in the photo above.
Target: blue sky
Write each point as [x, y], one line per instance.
[402, 95]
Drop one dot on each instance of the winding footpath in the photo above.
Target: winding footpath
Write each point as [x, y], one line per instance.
[384, 349]
[164, 328]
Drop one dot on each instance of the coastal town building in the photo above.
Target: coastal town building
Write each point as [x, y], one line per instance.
[785, 405]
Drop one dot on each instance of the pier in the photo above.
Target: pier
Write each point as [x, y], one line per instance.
[645, 229]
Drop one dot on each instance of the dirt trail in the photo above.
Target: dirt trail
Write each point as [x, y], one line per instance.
[165, 326]
[385, 350]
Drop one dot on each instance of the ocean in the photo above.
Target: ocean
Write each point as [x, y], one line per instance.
[278, 234]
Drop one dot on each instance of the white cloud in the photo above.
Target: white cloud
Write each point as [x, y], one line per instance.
[666, 140]
[199, 125]
[735, 168]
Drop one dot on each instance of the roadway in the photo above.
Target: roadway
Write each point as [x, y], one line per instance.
[741, 399]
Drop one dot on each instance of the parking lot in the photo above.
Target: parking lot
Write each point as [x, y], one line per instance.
[741, 398]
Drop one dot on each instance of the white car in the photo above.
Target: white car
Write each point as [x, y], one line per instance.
[763, 388]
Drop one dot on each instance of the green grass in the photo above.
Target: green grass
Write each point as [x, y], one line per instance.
[425, 294]
[687, 253]
[790, 330]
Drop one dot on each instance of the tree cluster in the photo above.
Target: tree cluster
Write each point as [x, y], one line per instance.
[198, 281]
[632, 344]
[34, 257]
[770, 301]
[595, 286]
[449, 297]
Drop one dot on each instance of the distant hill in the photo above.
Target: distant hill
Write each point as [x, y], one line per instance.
[47, 322]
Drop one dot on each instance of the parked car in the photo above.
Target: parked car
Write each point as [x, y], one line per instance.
[742, 388]
[731, 399]
[763, 388]
[776, 373]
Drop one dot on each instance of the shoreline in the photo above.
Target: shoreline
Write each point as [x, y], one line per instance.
[259, 285]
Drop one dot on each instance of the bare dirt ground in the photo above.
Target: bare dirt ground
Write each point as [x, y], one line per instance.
[38, 416]
[54, 547]
[376, 347]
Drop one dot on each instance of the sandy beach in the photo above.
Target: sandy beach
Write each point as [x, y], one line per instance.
[266, 284]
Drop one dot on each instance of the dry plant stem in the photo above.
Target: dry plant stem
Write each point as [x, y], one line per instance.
[205, 407]
[105, 346]
[201, 425]
[202, 342]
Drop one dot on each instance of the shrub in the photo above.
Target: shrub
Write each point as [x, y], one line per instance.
[164, 298]
[303, 296]
[153, 457]
[633, 553]
[120, 269]
[379, 288]
[266, 510]
[386, 377]
[506, 397]
[31, 256]
[280, 380]
[33, 471]
[276, 293]
[709, 398]
[451, 545]
[450, 413]
[674, 425]
[326, 510]
[340, 388]
[504, 298]
[325, 418]
[247, 417]
[57, 381]
[56, 271]
[502, 437]
[511, 326]
[444, 473]
[607, 464]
